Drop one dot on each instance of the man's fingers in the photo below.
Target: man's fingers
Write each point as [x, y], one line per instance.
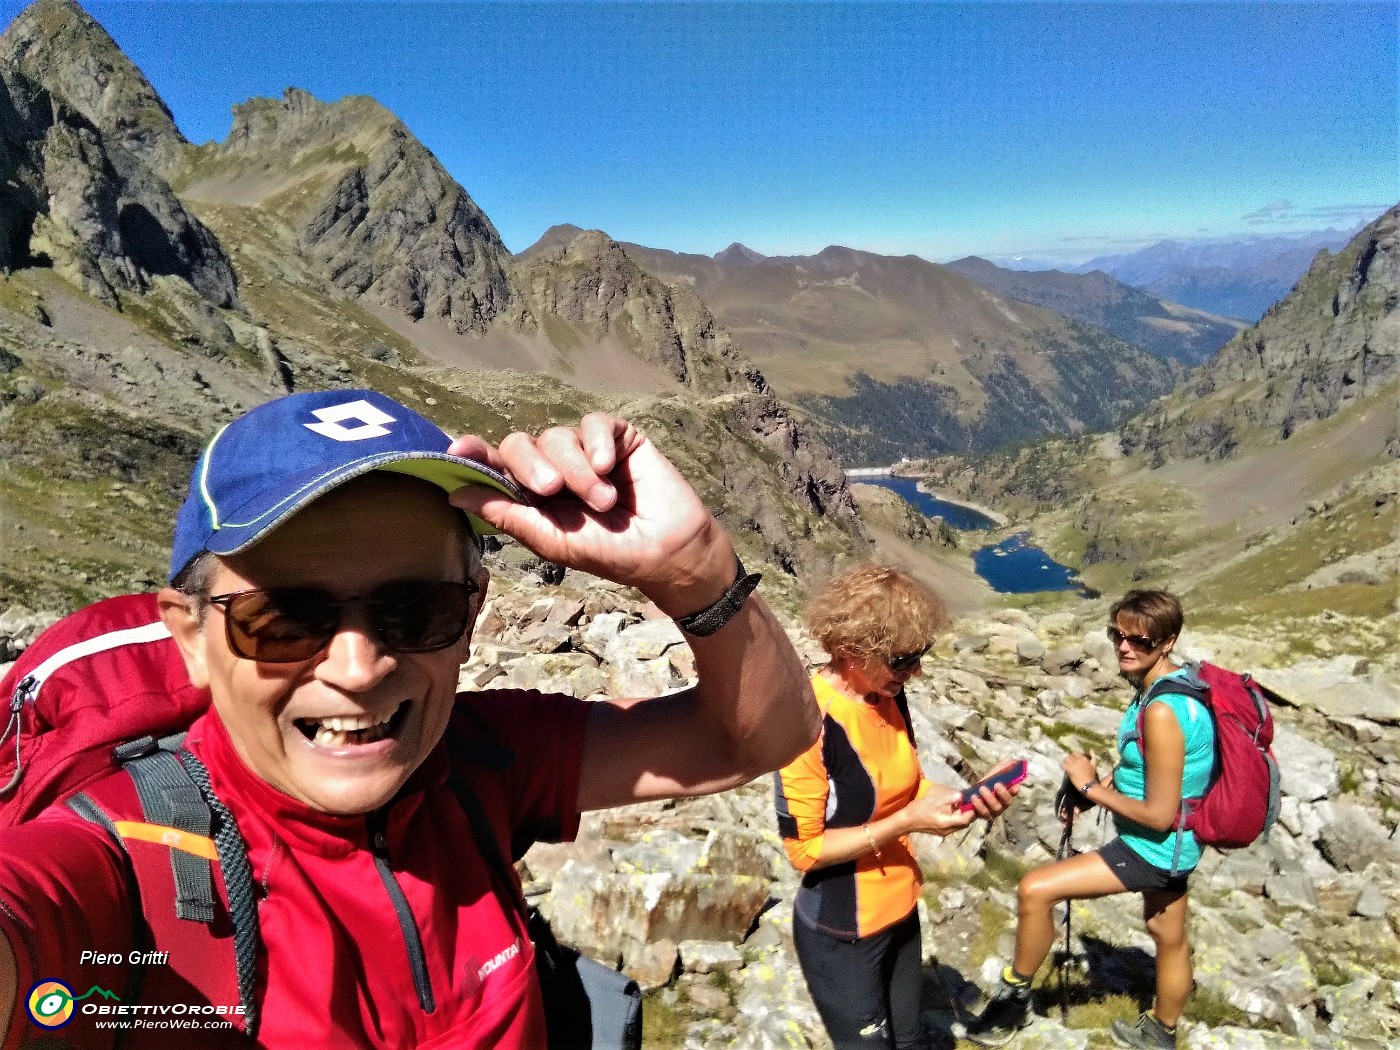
[606, 439]
[469, 446]
[541, 531]
[563, 446]
[529, 466]
[485, 503]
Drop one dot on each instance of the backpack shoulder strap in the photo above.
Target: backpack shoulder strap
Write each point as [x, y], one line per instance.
[487, 751]
[1189, 684]
[180, 810]
[1184, 685]
[482, 747]
[171, 801]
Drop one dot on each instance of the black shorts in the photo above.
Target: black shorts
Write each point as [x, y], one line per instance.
[1136, 874]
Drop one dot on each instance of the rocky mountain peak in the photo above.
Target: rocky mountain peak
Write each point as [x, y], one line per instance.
[92, 209]
[369, 205]
[300, 122]
[61, 48]
[589, 280]
[560, 235]
[738, 255]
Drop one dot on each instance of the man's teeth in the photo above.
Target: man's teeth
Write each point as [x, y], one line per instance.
[341, 731]
[352, 723]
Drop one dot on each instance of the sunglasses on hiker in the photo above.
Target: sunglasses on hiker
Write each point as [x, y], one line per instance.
[1138, 642]
[904, 661]
[291, 624]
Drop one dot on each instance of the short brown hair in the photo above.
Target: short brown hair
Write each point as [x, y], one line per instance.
[875, 611]
[1159, 611]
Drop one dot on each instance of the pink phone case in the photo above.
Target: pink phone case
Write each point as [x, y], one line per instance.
[1010, 777]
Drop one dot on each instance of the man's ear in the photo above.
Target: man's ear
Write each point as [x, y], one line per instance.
[178, 614]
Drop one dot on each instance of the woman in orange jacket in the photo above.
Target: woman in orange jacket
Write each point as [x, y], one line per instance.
[847, 805]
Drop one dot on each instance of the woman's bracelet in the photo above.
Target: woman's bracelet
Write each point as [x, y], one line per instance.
[871, 839]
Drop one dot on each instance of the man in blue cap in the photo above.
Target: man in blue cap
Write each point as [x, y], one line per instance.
[324, 579]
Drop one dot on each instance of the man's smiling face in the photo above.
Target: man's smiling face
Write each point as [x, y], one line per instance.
[343, 730]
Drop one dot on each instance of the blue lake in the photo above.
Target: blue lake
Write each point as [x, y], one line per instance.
[1012, 566]
[930, 506]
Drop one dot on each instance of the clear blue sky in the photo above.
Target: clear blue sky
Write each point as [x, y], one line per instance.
[1053, 129]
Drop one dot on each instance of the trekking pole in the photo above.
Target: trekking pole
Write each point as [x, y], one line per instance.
[1066, 849]
[1065, 802]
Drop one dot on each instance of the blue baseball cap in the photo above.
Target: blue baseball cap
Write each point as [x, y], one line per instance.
[272, 461]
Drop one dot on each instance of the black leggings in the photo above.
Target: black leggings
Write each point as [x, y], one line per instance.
[866, 990]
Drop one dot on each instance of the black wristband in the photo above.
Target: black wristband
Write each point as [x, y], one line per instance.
[709, 620]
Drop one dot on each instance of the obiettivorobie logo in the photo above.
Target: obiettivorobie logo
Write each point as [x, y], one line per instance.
[50, 1002]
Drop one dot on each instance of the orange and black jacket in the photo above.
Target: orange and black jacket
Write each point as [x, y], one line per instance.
[863, 768]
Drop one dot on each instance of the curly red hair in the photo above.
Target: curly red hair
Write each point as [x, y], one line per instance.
[875, 611]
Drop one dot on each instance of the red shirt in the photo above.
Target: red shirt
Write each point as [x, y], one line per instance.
[334, 969]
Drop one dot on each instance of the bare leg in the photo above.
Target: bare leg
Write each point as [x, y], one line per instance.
[1165, 914]
[1077, 878]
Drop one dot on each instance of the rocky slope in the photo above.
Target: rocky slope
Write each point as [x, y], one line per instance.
[367, 204]
[587, 280]
[1157, 325]
[899, 356]
[90, 208]
[1295, 939]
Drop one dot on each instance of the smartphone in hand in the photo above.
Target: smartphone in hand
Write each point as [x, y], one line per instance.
[1010, 776]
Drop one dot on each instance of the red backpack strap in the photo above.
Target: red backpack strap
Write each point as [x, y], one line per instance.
[179, 810]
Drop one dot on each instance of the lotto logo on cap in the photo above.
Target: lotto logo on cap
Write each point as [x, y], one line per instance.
[272, 461]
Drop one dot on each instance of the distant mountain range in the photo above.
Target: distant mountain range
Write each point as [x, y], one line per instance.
[1235, 278]
[900, 356]
[1155, 324]
[1332, 342]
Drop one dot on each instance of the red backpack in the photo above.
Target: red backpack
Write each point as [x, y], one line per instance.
[1241, 802]
[107, 674]
[106, 689]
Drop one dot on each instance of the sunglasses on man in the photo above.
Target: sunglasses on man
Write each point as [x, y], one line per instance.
[1138, 642]
[287, 625]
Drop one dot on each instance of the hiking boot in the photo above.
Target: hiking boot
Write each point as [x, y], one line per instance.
[1008, 1012]
[1146, 1033]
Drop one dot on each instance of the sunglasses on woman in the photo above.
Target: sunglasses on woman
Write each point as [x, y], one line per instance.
[1139, 642]
[904, 661]
[287, 625]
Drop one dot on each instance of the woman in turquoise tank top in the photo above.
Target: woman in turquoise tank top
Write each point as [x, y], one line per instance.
[1172, 761]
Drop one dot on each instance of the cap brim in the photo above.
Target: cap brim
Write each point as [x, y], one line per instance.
[448, 473]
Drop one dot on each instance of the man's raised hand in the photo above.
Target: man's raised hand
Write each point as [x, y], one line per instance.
[603, 499]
